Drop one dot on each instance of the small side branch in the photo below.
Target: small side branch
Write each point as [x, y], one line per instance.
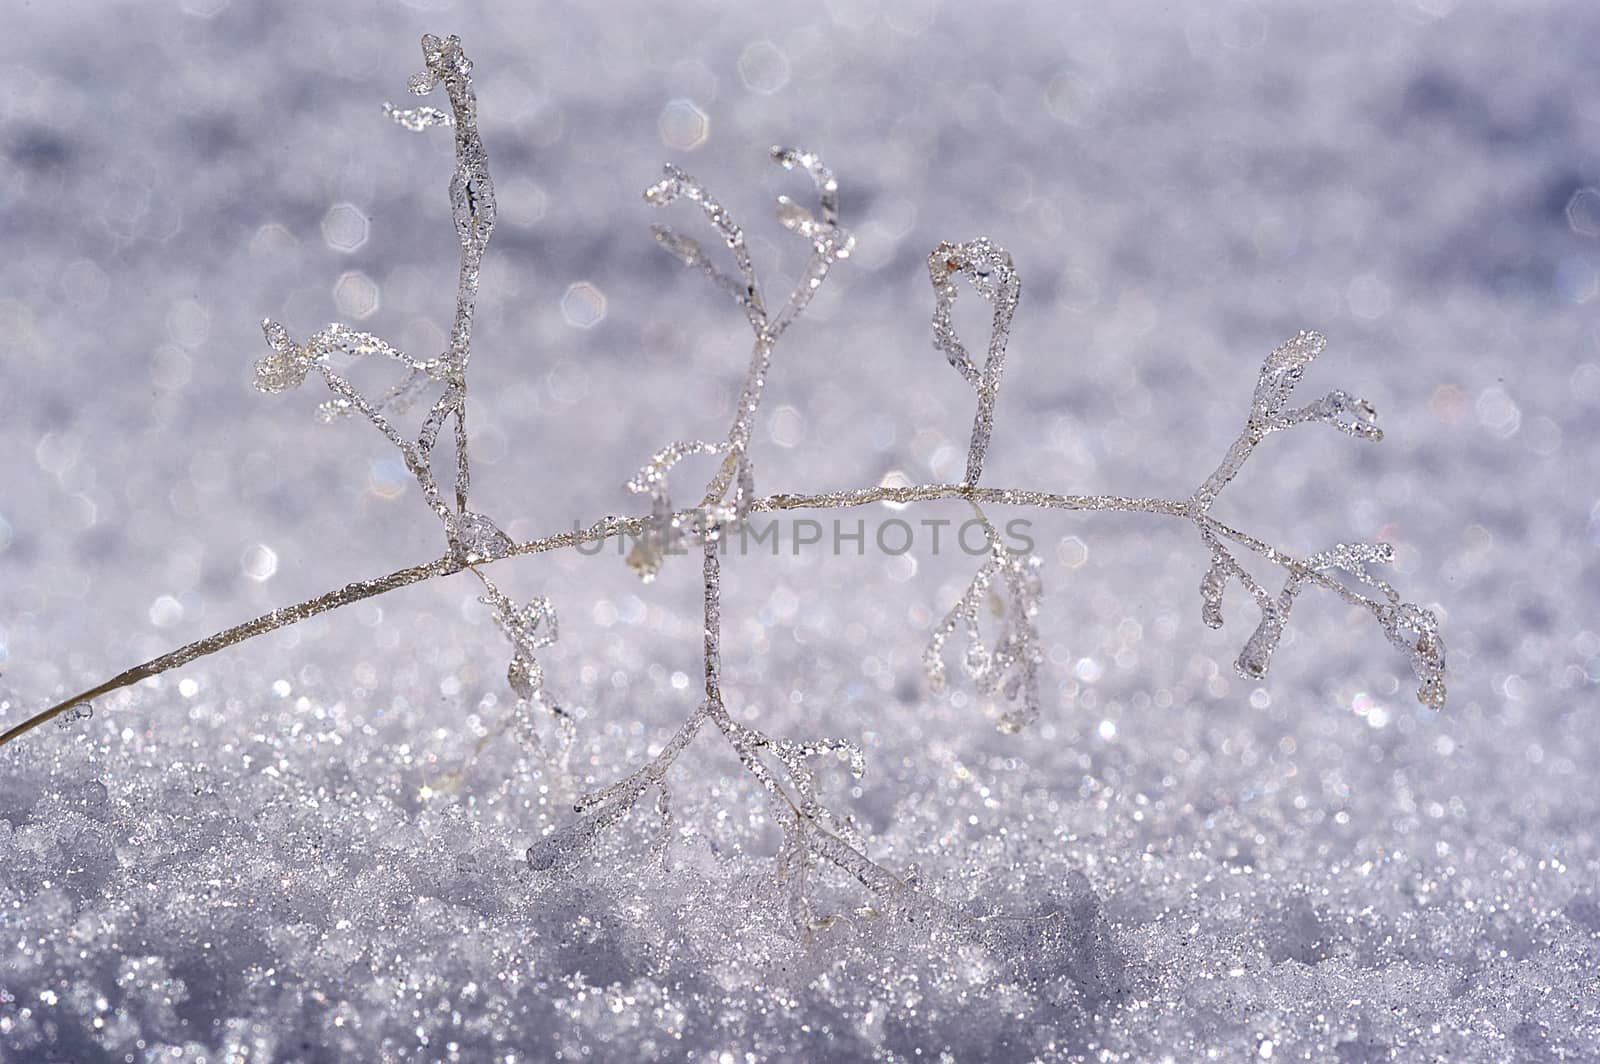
[988, 267]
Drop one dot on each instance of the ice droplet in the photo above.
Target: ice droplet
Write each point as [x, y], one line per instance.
[476, 538]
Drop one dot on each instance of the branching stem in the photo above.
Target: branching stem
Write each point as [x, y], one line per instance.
[609, 527]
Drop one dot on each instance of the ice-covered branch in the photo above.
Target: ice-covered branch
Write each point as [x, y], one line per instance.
[1268, 410]
[1409, 626]
[472, 536]
[811, 831]
[988, 267]
[786, 770]
[829, 243]
[666, 529]
[745, 290]
[530, 628]
[1008, 583]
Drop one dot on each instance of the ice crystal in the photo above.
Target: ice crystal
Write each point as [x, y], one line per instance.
[789, 772]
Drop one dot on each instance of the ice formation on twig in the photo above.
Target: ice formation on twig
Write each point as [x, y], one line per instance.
[829, 243]
[1008, 583]
[1408, 626]
[472, 536]
[666, 529]
[530, 628]
[1268, 414]
[785, 769]
[988, 267]
[811, 831]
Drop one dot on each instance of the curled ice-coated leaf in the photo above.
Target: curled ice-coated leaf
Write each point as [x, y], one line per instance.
[989, 268]
[796, 217]
[1008, 583]
[829, 242]
[674, 185]
[1283, 369]
[1345, 412]
[286, 364]
[824, 231]
[1257, 653]
[1212, 586]
[1415, 630]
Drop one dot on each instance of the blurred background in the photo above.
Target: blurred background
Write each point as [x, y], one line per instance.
[1181, 187]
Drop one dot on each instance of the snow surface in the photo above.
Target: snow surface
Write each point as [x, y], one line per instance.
[292, 850]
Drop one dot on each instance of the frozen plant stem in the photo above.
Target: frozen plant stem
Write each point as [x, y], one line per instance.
[609, 527]
[812, 834]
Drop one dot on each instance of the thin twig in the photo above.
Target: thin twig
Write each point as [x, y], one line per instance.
[609, 527]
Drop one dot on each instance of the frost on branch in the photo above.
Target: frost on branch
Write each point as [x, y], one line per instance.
[1008, 587]
[1269, 410]
[829, 243]
[812, 833]
[745, 290]
[1008, 583]
[472, 536]
[988, 267]
[1411, 627]
[531, 628]
[790, 772]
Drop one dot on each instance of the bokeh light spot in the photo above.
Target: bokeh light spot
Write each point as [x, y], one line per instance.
[583, 305]
[345, 227]
[683, 125]
[1583, 212]
[356, 294]
[259, 562]
[764, 68]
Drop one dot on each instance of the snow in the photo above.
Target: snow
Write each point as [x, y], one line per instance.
[310, 846]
